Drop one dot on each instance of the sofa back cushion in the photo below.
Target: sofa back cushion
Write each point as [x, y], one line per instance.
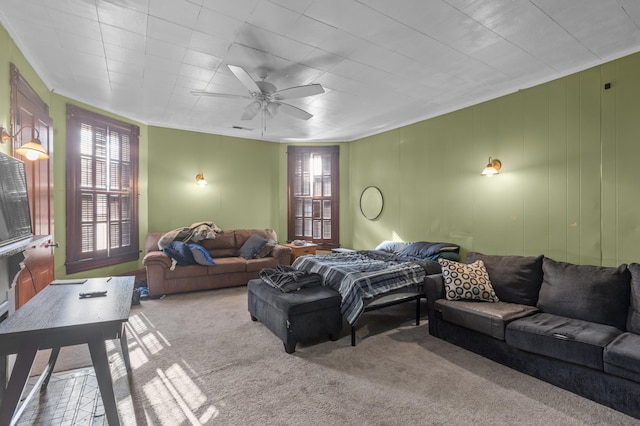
[223, 245]
[591, 293]
[242, 235]
[633, 321]
[151, 244]
[515, 279]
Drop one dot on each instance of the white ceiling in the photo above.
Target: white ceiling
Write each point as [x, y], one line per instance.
[383, 63]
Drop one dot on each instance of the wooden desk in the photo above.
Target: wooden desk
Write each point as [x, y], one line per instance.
[57, 317]
[297, 251]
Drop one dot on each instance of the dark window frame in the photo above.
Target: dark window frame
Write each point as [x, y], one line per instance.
[293, 153]
[78, 260]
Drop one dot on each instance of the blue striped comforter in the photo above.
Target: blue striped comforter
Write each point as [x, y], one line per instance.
[361, 275]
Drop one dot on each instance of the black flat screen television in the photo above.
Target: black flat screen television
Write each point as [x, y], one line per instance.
[15, 214]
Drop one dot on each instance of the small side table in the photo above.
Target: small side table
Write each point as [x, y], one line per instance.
[297, 251]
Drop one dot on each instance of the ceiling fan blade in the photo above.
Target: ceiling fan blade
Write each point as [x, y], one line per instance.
[298, 92]
[219, 95]
[294, 111]
[251, 110]
[245, 79]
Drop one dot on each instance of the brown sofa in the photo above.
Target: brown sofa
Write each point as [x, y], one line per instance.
[230, 269]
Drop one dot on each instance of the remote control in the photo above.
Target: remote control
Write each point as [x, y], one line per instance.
[93, 294]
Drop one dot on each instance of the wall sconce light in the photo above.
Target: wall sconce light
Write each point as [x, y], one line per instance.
[32, 150]
[200, 179]
[493, 167]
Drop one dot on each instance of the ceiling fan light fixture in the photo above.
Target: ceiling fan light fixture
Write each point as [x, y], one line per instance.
[265, 97]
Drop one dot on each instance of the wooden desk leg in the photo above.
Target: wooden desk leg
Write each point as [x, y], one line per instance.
[52, 362]
[125, 347]
[98, 351]
[18, 379]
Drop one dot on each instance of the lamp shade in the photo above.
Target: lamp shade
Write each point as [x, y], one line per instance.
[33, 151]
[492, 168]
[200, 181]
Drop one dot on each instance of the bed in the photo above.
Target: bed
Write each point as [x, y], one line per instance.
[366, 275]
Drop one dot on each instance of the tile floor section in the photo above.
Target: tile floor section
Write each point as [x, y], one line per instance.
[72, 398]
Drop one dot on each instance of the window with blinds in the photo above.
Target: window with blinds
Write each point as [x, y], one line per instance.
[102, 175]
[313, 195]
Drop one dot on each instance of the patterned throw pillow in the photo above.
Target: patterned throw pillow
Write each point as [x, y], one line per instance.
[462, 281]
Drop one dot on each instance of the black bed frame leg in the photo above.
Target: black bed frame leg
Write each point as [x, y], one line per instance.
[418, 310]
[353, 336]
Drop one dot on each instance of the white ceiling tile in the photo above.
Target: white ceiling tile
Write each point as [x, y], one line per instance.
[297, 5]
[122, 17]
[83, 8]
[168, 31]
[83, 27]
[192, 72]
[166, 50]
[238, 9]
[87, 45]
[180, 12]
[208, 44]
[158, 65]
[123, 38]
[203, 60]
[214, 23]
[129, 58]
[309, 31]
[273, 18]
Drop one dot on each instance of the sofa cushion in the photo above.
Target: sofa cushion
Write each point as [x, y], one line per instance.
[633, 320]
[252, 246]
[228, 265]
[485, 318]
[622, 356]
[222, 246]
[590, 293]
[463, 281]
[515, 279]
[425, 249]
[572, 340]
[255, 265]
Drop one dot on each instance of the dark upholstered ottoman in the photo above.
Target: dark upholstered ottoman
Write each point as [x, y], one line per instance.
[298, 316]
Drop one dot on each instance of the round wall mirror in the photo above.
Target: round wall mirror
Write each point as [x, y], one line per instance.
[371, 202]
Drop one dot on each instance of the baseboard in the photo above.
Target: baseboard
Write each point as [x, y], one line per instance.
[139, 274]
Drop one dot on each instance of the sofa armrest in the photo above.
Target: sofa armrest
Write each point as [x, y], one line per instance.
[434, 287]
[157, 258]
[282, 253]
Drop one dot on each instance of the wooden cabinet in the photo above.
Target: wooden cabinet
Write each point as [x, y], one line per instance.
[297, 251]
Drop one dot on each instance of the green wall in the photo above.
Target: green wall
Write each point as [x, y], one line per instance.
[242, 177]
[567, 188]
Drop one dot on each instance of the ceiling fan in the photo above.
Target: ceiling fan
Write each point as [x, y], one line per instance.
[266, 98]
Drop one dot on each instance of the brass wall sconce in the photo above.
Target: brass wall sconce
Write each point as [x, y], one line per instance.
[492, 168]
[32, 150]
[200, 179]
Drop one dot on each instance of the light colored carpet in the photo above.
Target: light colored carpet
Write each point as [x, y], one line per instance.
[199, 359]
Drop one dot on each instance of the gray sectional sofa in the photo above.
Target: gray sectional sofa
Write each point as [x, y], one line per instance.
[575, 326]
